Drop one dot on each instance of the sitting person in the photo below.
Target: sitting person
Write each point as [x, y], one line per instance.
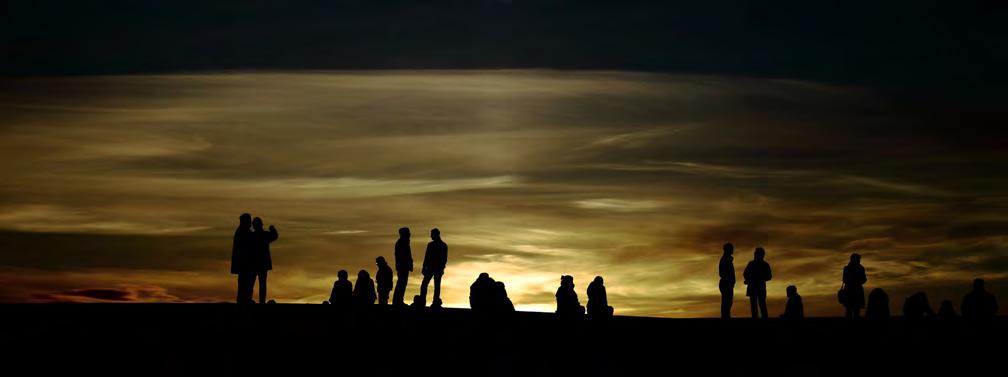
[364, 291]
[794, 308]
[598, 303]
[878, 305]
[342, 290]
[917, 306]
[481, 293]
[567, 300]
[502, 303]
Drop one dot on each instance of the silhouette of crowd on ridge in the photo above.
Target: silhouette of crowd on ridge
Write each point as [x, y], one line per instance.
[251, 261]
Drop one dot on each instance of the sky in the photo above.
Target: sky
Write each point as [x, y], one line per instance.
[626, 139]
[128, 188]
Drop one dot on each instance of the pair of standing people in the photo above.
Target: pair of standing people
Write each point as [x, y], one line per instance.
[755, 276]
[250, 256]
[435, 259]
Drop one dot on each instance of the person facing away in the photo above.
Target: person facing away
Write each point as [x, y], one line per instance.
[979, 303]
[262, 260]
[853, 286]
[435, 259]
[726, 270]
[502, 303]
[917, 306]
[878, 305]
[794, 308]
[403, 265]
[384, 280]
[598, 303]
[364, 291]
[946, 310]
[481, 293]
[342, 290]
[755, 276]
[567, 300]
[241, 253]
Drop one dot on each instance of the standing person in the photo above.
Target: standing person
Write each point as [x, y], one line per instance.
[403, 265]
[726, 270]
[853, 286]
[262, 259]
[384, 278]
[241, 253]
[363, 291]
[435, 259]
[979, 303]
[755, 276]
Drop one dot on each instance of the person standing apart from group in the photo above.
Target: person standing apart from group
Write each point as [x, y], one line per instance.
[854, 279]
[755, 276]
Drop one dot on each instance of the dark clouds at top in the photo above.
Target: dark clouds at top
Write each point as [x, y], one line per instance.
[908, 46]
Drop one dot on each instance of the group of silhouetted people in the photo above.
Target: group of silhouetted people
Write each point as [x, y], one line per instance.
[250, 256]
[364, 293]
[489, 297]
[568, 306]
[978, 304]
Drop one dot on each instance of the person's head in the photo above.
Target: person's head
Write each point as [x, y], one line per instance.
[759, 253]
[566, 281]
[978, 284]
[380, 261]
[257, 224]
[483, 275]
[363, 275]
[855, 258]
[792, 291]
[435, 234]
[245, 220]
[342, 274]
[404, 232]
[598, 280]
[728, 248]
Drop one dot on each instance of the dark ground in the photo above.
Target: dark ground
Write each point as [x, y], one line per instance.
[291, 339]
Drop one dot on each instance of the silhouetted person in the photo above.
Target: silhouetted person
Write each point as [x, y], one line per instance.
[878, 305]
[384, 280]
[794, 308]
[567, 300]
[364, 291]
[755, 276]
[946, 310]
[434, 263]
[403, 265]
[853, 286]
[481, 293]
[342, 290]
[598, 302]
[979, 303]
[726, 270]
[263, 261]
[502, 304]
[917, 306]
[241, 258]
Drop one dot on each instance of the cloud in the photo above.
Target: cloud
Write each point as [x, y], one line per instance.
[126, 294]
[636, 177]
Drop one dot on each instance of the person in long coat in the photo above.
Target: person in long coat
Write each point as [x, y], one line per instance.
[384, 280]
[755, 276]
[364, 291]
[854, 279]
[342, 291]
[241, 253]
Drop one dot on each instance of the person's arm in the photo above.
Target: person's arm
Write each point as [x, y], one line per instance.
[273, 234]
[769, 275]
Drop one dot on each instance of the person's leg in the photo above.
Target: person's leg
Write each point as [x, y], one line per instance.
[753, 307]
[437, 287]
[423, 288]
[400, 287]
[383, 297]
[245, 281]
[727, 295]
[762, 304]
[262, 287]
